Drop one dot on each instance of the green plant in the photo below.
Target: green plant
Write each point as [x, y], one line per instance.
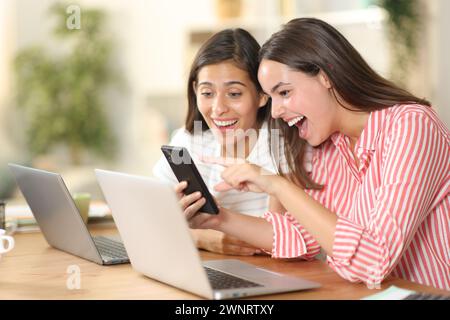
[61, 96]
[404, 26]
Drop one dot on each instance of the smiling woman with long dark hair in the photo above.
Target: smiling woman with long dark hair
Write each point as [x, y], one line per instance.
[225, 101]
[376, 195]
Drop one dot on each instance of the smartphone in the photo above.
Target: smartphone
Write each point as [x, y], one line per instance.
[185, 170]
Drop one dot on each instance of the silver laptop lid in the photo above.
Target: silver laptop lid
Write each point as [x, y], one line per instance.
[55, 212]
[147, 215]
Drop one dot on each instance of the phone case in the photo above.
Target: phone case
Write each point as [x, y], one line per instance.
[184, 169]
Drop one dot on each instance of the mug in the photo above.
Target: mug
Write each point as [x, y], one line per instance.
[82, 201]
[5, 239]
[2, 215]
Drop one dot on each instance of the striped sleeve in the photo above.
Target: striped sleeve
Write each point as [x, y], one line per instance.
[415, 163]
[290, 239]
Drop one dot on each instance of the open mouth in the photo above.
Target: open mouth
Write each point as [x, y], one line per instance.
[301, 123]
[296, 120]
[225, 124]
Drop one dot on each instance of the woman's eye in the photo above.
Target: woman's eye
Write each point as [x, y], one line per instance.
[284, 93]
[206, 94]
[235, 94]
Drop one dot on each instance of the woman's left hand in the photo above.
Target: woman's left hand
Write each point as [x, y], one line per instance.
[244, 176]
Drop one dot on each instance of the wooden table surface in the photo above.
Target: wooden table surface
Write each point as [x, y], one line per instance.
[34, 270]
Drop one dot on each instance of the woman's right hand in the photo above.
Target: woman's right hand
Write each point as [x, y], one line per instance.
[190, 203]
[211, 240]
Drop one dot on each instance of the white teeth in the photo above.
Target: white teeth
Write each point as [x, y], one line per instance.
[224, 123]
[294, 121]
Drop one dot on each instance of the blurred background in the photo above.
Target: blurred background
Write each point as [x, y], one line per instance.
[101, 83]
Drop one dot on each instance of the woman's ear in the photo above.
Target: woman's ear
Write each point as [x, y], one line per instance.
[324, 80]
[194, 87]
[263, 98]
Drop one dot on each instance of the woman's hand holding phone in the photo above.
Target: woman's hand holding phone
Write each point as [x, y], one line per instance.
[191, 203]
[211, 240]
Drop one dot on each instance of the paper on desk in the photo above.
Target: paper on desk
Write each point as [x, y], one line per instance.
[97, 210]
[392, 293]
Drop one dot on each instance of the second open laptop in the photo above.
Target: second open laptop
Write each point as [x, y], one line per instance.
[59, 219]
[157, 238]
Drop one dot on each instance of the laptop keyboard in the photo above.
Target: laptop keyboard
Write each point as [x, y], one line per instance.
[424, 296]
[110, 248]
[220, 280]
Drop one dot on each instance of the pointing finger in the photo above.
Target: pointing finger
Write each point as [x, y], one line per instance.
[222, 187]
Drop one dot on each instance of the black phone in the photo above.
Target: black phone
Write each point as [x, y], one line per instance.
[185, 170]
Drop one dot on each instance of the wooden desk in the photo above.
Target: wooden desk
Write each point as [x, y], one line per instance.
[33, 270]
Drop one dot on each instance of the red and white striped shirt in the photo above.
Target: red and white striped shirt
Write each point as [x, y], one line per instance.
[393, 210]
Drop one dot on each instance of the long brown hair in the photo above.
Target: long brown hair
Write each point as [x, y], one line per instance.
[236, 45]
[310, 45]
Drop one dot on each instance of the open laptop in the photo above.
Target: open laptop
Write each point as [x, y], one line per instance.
[157, 238]
[59, 219]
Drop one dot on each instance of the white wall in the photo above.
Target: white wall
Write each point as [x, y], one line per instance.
[7, 33]
[442, 99]
[432, 76]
